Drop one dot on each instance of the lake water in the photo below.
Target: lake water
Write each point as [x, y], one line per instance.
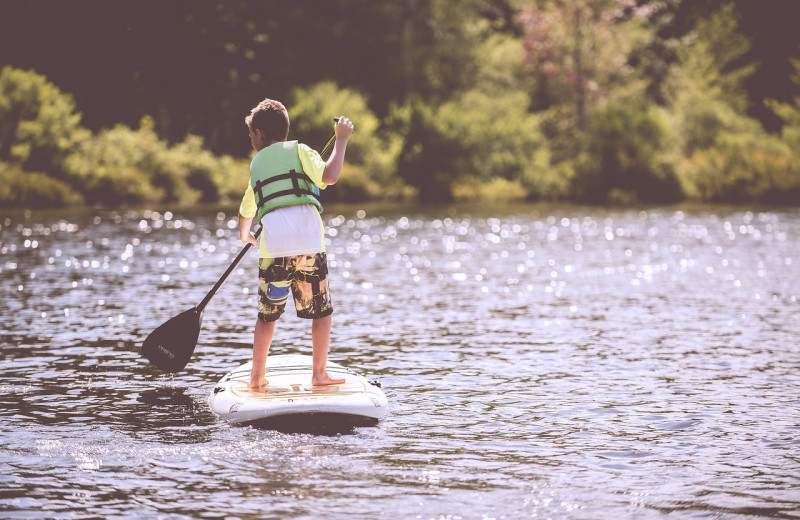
[540, 362]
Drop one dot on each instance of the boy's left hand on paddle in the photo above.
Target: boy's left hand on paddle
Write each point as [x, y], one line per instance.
[251, 239]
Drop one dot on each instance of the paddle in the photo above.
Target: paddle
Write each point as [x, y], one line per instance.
[171, 345]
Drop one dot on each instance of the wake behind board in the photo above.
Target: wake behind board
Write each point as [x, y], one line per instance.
[290, 402]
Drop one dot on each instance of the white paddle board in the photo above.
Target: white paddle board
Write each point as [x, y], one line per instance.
[289, 400]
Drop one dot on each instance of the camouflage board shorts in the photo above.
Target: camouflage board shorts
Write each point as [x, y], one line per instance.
[306, 276]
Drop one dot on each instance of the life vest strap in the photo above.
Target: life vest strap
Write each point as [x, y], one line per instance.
[296, 190]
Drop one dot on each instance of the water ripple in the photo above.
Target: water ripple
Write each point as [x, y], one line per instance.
[540, 362]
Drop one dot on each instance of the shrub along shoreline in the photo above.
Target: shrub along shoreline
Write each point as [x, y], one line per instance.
[484, 145]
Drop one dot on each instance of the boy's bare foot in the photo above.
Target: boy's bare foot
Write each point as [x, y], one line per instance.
[255, 384]
[325, 380]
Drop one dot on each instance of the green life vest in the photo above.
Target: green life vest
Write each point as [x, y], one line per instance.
[278, 180]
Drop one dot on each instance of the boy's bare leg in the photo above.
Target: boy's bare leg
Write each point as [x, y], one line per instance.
[262, 338]
[320, 339]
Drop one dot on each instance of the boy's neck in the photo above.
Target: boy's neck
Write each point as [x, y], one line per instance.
[271, 143]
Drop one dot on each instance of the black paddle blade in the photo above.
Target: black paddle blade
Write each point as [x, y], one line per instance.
[171, 345]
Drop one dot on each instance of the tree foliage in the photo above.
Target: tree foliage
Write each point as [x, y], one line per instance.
[41, 129]
[789, 112]
[39, 124]
[723, 154]
[594, 100]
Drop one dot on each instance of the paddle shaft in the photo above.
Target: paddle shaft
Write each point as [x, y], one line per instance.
[329, 145]
[227, 273]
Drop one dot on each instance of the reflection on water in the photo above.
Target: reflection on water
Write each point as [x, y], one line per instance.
[540, 361]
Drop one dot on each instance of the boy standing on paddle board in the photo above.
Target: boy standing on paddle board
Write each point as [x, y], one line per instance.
[285, 179]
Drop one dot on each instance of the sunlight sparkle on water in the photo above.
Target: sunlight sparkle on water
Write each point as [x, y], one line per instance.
[541, 362]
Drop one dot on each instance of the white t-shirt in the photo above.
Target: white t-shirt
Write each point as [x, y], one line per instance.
[295, 230]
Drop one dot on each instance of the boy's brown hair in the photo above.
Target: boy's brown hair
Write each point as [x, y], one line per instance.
[270, 117]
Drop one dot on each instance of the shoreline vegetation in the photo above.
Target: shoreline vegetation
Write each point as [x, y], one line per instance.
[546, 116]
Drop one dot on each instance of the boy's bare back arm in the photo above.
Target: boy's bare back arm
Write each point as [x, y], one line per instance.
[333, 167]
[244, 231]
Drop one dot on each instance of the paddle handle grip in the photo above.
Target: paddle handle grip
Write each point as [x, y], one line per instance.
[227, 273]
[329, 145]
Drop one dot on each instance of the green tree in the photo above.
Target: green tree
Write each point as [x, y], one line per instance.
[720, 153]
[126, 166]
[743, 167]
[19, 188]
[789, 113]
[577, 51]
[603, 137]
[118, 166]
[482, 143]
[39, 124]
[705, 87]
[624, 160]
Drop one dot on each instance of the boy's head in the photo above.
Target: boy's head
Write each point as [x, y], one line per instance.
[271, 118]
